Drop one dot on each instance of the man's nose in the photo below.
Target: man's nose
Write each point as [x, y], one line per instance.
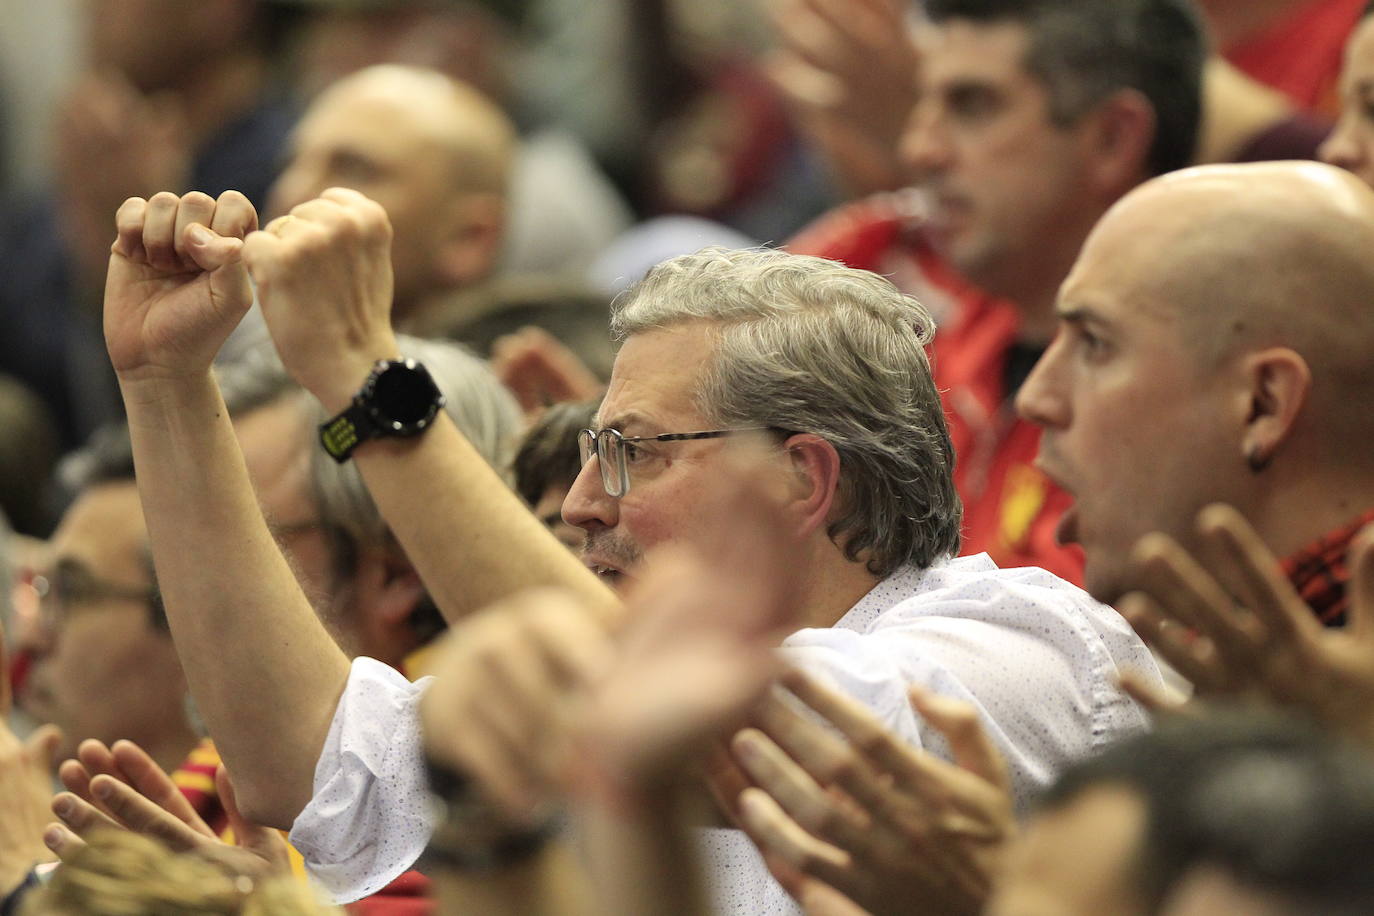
[1342, 149]
[925, 147]
[29, 637]
[1039, 401]
[587, 505]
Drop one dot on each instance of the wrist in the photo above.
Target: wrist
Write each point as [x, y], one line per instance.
[398, 400]
[155, 390]
[15, 883]
[474, 835]
[335, 383]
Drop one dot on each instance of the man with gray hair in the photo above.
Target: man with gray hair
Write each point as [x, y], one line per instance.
[828, 366]
[815, 371]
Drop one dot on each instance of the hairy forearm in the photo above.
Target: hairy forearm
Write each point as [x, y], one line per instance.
[471, 539]
[265, 674]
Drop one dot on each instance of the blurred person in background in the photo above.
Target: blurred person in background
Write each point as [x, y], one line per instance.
[561, 208]
[548, 462]
[1293, 46]
[1032, 118]
[440, 159]
[174, 94]
[92, 646]
[434, 152]
[344, 556]
[1351, 144]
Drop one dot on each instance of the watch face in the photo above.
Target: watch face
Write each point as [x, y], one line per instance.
[404, 398]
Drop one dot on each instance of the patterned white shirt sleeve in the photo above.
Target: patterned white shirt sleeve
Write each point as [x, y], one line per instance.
[371, 813]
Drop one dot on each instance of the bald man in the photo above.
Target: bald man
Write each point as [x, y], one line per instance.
[434, 152]
[1214, 346]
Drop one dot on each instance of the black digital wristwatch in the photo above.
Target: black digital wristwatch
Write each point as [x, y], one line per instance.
[398, 400]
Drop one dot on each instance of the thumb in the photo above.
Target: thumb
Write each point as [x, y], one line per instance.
[209, 249]
[248, 833]
[819, 899]
[42, 745]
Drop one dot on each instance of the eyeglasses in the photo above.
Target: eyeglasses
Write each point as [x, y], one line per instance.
[71, 586]
[617, 452]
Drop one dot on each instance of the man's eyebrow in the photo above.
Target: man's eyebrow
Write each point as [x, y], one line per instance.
[68, 562]
[620, 422]
[969, 85]
[1076, 314]
[69, 566]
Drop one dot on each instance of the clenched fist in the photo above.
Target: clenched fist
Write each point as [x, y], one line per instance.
[324, 280]
[176, 286]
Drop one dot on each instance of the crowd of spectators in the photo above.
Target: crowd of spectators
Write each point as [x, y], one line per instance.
[646, 457]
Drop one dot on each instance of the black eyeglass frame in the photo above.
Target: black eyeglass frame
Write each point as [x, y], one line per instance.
[69, 589]
[592, 442]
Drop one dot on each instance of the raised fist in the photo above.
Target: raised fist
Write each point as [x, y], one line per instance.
[175, 288]
[323, 274]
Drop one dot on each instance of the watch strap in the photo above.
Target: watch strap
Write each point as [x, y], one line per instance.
[471, 835]
[346, 431]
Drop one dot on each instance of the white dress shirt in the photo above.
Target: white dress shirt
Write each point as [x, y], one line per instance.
[1036, 656]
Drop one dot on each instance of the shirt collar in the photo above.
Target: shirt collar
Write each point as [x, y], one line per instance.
[903, 583]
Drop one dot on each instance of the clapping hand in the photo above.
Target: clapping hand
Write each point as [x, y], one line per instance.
[122, 788]
[1231, 622]
[868, 817]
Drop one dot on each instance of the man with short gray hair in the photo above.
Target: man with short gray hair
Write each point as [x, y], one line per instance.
[826, 367]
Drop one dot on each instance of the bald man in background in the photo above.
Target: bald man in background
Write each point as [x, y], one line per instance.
[434, 152]
[1214, 346]
[443, 160]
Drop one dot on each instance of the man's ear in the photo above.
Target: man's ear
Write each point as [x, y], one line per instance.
[388, 588]
[1119, 134]
[1279, 383]
[473, 239]
[814, 482]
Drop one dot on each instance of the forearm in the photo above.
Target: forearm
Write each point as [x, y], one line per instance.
[265, 674]
[471, 539]
[551, 883]
[323, 280]
[642, 857]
